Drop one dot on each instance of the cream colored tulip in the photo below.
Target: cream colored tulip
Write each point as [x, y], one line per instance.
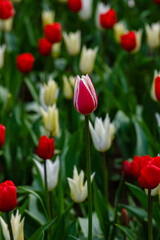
[2, 53]
[47, 17]
[49, 93]
[17, 227]
[56, 49]
[86, 10]
[119, 29]
[77, 187]
[51, 120]
[101, 9]
[138, 41]
[72, 42]
[6, 25]
[153, 35]
[87, 59]
[68, 86]
[152, 92]
[102, 134]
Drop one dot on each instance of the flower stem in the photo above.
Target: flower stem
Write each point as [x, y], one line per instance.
[46, 187]
[51, 203]
[9, 226]
[105, 177]
[150, 234]
[88, 161]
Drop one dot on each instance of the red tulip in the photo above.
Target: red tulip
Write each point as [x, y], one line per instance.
[45, 148]
[2, 135]
[44, 47]
[126, 168]
[6, 9]
[85, 97]
[8, 196]
[128, 41]
[108, 19]
[137, 164]
[157, 88]
[124, 218]
[25, 62]
[75, 5]
[53, 32]
[157, 1]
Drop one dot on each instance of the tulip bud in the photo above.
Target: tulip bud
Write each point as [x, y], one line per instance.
[152, 34]
[75, 5]
[119, 29]
[102, 134]
[124, 218]
[2, 135]
[68, 86]
[128, 41]
[53, 32]
[72, 42]
[51, 120]
[6, 9]
[86, 10]
[25, 62]
[2, 53]
[85, 97]
[6, 25]
[56, 48]
[47, 17]
[8, 196]
[45, 148]
[44, 47]
[155, 89]
[108, 19]
[77, 187]
[87, 59]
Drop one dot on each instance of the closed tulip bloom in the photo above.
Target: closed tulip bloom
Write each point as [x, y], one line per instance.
[56, 49]
[72, 42]
[77, 186]
[2, 135]
[152, 34]
[75, 5]
[137, 164]
[8, 196]
[6, 9]
[51, 120]
[53, 32]
[108, 19]
[119, 29]
[47, 17]
[68, 86]
[85, 97]
[17, 227]
[124, 218]
[45, 148]
[52, 172]
[128, 41]
[87, 59]
[2, 54]
[25, 62]
[44, 47]
[155, 89]
[102, 134]
[49, 93]
[86, 10]
[6, 25]
[101, 9]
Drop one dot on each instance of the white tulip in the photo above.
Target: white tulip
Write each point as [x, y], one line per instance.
[2, 53]
[153, 35]
[119, 29]
[72, 42]
[138, 41]
[86, 10]
[47, 17]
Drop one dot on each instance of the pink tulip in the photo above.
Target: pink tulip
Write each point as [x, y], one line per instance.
[85, 97]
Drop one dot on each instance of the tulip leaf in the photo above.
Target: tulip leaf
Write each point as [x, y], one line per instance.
[32, 89]
[130, 234]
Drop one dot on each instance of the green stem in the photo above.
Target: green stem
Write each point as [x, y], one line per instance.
[150, 234]
[46, 187]
[9, 226]
[105, 177]
[88, 161]
[51, 203]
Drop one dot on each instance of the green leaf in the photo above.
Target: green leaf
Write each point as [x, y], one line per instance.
[32, 89]
[137, 211]
[130, 234]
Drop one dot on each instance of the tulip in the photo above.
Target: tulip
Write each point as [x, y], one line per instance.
[47, 17]
[49, 93]
[126, 166]
[75, 5]
[45, 148]
[131, 3]
[2, 135]
[155, 89]
[157, 115]
[6, 9]
[53, 32]
[77, 187]
[85, 97]
[102, 134]
[119, 29]
[86, 10]
[51, 120]
[124, 218]
[101, 9]
[2, 53]
[6, 25]
[8, 196]
[131, 41]
[44, 47]
[72, 42]
[17, 227]
[108, 19]
[52, 172]
[68, 86]
[138, 41]
[137, 164]
[25, 62]
[152, 34]
[156, 1]
[87, 59]
[56, 48]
